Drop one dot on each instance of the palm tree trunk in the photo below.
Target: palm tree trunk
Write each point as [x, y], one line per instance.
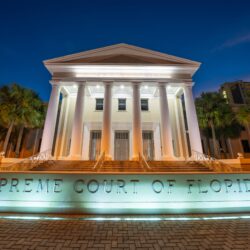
[7, 137]
[35, 143]
[214, 139]
[248, 131]
[19, 140]
[208, 146]
[231, 155]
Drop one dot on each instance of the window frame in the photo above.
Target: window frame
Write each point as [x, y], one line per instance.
[125, 104]
[145, 99]
[98, 106]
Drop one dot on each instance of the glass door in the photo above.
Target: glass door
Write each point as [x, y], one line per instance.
[121, 145]
[148, 144]
[95, 145]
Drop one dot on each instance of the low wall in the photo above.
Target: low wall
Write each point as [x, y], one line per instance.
[100, 193]
[243, 163]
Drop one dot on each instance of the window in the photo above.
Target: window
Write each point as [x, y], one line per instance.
[121, 104]
[144, 104]
[246, 146]
[236, 93]
[99, 104]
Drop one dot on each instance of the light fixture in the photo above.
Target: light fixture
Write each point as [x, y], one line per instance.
[74, 86]
[122, 86]
[130, 218]
[97, 86]
[146, 87]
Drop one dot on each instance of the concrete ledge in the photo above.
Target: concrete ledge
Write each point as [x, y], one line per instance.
[102, 193]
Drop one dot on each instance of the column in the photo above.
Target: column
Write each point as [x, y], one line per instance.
[137, 130]
[192, 121]
[77, 130]
[50, 122]
[178, 128]
[166, 133]
[106, 120]
[59, 135]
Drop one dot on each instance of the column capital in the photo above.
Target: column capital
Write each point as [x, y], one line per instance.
[108, 83]
[80, 83]
[136, 83]
[163, 84]
[54, 82]
[188, 84]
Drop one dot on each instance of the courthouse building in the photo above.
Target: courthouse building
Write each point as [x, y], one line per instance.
[124, 101]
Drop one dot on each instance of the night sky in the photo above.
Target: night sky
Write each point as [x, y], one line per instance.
[214, 32]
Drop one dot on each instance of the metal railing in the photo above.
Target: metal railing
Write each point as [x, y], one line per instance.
[144, 163]
[30, 162]
[213, 163]
[99, 162]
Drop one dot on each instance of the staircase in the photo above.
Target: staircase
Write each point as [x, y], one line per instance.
[65, 165]
[177, 166]
[122, 166]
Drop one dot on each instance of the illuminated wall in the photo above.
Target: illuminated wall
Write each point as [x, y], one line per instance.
[124, 193]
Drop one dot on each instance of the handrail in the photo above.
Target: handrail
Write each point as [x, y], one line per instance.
[99, 162]
[212, 163]
[143, 162]
[30, 162]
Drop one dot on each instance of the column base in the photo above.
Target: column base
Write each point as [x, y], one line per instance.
[108, 158]
[181, 158]
[168, 158]
[135, 158]
[74, 157]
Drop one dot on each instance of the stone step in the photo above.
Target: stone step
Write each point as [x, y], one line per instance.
[122, 166]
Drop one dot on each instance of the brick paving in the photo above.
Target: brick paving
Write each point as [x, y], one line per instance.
[74, 233]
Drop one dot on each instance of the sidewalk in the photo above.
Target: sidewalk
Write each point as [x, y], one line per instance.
[89, 232]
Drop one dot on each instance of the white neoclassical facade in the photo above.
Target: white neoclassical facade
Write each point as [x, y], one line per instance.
[122, 100]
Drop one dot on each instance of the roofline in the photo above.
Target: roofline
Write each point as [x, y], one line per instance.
[93, 51]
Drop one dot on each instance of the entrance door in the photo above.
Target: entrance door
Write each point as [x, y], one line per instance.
[148, 145]
[95, 145]
[121, 145]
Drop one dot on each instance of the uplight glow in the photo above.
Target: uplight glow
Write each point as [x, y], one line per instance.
[240, 217]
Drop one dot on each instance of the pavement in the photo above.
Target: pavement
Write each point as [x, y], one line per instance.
[121, 232]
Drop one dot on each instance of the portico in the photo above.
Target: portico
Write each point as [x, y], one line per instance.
[124, 101]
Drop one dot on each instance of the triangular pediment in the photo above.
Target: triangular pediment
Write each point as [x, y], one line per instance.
[121, 54]
[121, 59]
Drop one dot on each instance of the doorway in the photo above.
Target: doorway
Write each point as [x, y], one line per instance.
[121, 145]
[95, 145]
[148, 144]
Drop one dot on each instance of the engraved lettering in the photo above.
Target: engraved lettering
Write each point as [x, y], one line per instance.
[246, 182]
[78, 186]
[27, 183]
[13, 184]
[157, 186]
[215, 185]
[121, 186]
[39, 186]
[93, 186]
[229, 184]
[239, 185]
[107, 187]
[190, 184]
[201, 189]
[3, 182]
[170, 185]
[134, 185]
[57, 186]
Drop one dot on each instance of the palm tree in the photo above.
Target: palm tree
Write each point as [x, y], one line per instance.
[243, 118]
[21, 108]
[32, 115]
[213, 113]
[7, 112]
